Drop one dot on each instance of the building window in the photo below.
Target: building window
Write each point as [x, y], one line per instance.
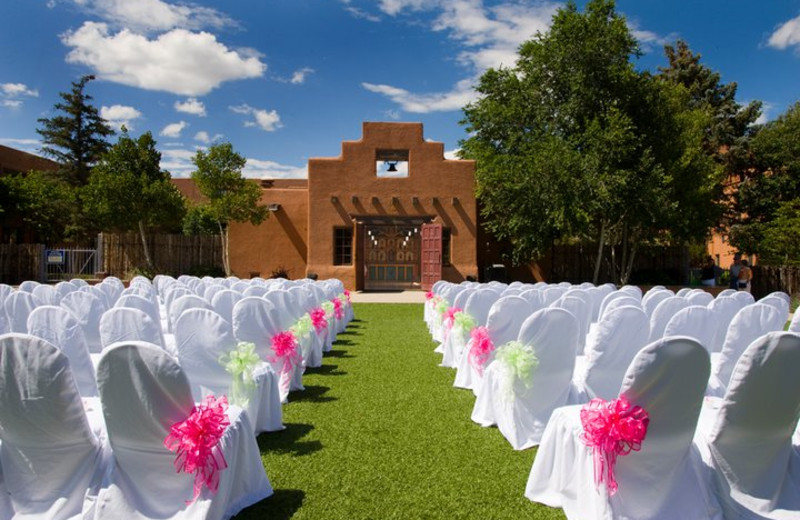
[446, 246]
[343, 246]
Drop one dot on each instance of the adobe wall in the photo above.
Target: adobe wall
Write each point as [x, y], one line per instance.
[16, 161]
[347, 186]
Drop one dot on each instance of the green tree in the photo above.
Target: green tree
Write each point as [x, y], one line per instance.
[781, 242]
[772, 181]
[230, 197]
[129, 191]
[574, 142]
[40, 201]
[76, 138]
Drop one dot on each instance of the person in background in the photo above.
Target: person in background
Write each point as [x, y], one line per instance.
[708, 275]
[745, 277]
[737, 264]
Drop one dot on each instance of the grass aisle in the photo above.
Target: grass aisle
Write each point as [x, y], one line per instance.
[380, 432]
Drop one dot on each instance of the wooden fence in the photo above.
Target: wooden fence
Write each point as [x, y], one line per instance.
[767, 279]
[20, 262]
[652, 265]
[174, 255]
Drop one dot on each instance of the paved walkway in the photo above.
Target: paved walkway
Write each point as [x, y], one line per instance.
[387, 297]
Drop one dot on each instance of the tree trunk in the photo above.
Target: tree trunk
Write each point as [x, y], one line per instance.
[599, 258]
[223, 236]
[146, 248]
[634, 245]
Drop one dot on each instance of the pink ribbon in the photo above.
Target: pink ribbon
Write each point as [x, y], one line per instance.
[284, 347]
[196, 443]
[318, 319]
[480, 349]
[337, 308]
[347, 295]
[612, 428]
[429, 295]
[449, 319]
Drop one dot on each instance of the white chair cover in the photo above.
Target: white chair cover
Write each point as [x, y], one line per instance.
[663, 313]
[127, 324]
[522, 414]
[18, 306]
[184, 303]
[49, 455]
[794, 326]
[144, 392]
[652, 299]
[662, 480]
[782, 295]
[608, 298]
[59, 327]
[255, 291]
[726, 308]
[112, 291]
[623, 301]
[745, 297]
[27, 286]
[505, 319]
[535, 299]
[255, 321]
[683, 293]
[211, 290]
[699, 297]
[45, 295]
[5, 290]
[143, 303]
[223, 303]
[477, 304]
[87, 308]
[620, 335]
[726, 292]
[749, 440]
[581, 309]
[632, 290]
[551, 294]
[749, 324]
[695, 321]
[779, 303]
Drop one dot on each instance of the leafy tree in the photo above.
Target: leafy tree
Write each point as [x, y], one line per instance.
[574, 142]
[76, 138]
[781, 242]
[771, 184]
[40, 201]
[128, 191]
[230, 197]
[199, 221]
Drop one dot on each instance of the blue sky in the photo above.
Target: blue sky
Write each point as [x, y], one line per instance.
[285, 80]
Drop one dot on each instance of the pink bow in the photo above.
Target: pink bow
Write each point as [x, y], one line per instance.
[337, 308]
[449, 319]
[429, 295]
[318, 319]
[612, 428]
[284, 346]
[196, 443]
[481, 348]
[347, 295]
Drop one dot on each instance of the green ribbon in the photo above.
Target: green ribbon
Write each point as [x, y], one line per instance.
[240, 364]
[520, 362]
[328, 308]
[464, 322]
[442, 306]
[302, 327]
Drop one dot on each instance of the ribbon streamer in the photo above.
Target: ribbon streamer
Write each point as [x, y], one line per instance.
[612, 428]
[318, 319]
[195, 442]
[240, 363]
[285, 352]
[520, 361]
[347, 296]
[338, 311]
[480, 349]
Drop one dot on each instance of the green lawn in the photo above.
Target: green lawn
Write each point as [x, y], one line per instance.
[380, 432]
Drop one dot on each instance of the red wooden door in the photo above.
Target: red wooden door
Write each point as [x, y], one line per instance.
[431, 255]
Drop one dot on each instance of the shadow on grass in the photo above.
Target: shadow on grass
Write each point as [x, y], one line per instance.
[338, 354]
[282, 505]
[326, 370]
[312, 394]
[288, 441]
[343, 342]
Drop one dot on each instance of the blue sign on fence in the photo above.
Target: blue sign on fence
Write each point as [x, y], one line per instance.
[55, 256]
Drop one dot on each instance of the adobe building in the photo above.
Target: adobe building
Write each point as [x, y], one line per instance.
[389, 213]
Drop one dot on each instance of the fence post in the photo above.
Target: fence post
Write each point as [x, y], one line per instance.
[99, 266]
[43, 265]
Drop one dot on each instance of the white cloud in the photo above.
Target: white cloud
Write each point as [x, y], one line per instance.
[299, 76]
[766, 110]
[393, 7]
[452, 154]
[179, 61]
[191, 106]
[360, 13]
[267, 120]
[787, 35]
[155, 15]
[11, 94]
[265, 169]
[178, 161]
[118, 115]
[174, 129]
[462, 94]
[205, 138]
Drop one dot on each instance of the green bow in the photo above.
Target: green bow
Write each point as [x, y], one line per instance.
[302, 327]
[520, 362]
[328, 308]
[464, 322]
[442, 306]
[240, 364]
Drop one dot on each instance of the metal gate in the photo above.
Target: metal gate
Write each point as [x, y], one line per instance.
[65, 264]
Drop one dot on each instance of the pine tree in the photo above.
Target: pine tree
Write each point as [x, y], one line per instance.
[75, 139]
